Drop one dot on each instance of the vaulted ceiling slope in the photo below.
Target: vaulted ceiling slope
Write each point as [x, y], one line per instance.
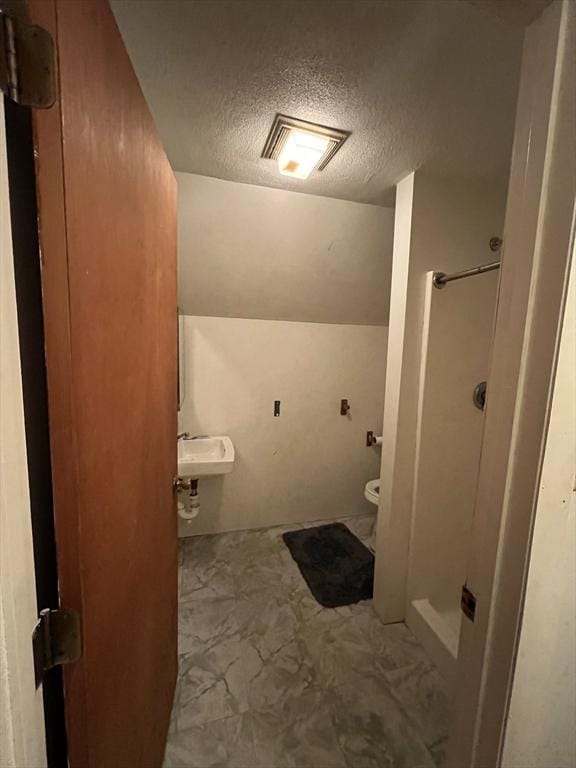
[418, 82]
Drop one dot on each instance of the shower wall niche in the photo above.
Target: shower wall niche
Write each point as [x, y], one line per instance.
[456, 343]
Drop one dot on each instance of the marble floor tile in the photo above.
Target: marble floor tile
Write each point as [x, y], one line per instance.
[354, 641]
[297, 733]
[288, 672]
[310, 611]
[226, 743]
[339, 647]
[361, 526]
[394, 644]
[204, 624]
[373, 732]
[422, 694]
[273, 622]
[438, 752]
[268, 678]
[234, 564]
[281, 666]
[236, 654]
[212, 684]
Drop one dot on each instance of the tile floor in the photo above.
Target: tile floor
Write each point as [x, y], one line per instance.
[270, 679]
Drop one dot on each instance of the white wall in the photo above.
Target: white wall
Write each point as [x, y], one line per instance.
[286, 297]
[541, 721]
[393, 393]
[456, 344]
[311, 463]
[445, 225]
[255, 252]
[457, 337]
[21, 714]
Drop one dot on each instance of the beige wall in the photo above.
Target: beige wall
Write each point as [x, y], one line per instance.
[456, 343]
[311, 463]
[445, 225]
[286, 297]
[255, 252]
[457, 336]
[541, 721]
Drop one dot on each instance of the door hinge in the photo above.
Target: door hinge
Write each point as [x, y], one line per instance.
[27, 63]
[468, 603]
[56, 640]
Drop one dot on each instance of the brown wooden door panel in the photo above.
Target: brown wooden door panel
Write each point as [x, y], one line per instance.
[107, 209]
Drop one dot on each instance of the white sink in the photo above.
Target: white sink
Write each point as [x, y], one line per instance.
[202, 456]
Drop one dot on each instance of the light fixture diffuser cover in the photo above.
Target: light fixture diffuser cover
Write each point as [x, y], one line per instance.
[301, 153]
[284, 125]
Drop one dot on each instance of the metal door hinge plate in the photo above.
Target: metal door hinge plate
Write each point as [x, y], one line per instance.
[56, 640]
[27, 68]
[468, 603]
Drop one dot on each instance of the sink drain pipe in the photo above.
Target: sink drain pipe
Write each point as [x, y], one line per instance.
[194, 508]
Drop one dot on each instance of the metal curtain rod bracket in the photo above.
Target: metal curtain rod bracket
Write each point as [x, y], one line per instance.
[440, 279]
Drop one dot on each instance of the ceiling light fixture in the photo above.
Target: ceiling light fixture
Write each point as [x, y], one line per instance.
[300, 147]
[301, 153]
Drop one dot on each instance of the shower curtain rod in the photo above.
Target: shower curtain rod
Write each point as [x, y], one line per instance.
[440, 279]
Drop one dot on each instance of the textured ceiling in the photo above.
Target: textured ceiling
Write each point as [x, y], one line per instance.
[419, 83]
[520, 12]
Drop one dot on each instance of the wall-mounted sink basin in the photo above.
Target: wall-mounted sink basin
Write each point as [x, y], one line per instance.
[202, 456]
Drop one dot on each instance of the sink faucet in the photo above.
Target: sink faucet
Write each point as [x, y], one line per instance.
[183, 436]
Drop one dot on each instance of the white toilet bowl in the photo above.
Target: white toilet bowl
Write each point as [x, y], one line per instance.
[372, 491]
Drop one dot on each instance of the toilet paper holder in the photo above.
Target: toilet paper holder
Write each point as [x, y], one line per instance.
[371, 439]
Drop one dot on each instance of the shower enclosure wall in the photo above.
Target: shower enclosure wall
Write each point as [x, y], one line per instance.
[456, 343]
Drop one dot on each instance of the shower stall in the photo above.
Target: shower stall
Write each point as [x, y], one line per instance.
[456, 344]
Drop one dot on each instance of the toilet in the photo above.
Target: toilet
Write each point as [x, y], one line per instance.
[372, 491]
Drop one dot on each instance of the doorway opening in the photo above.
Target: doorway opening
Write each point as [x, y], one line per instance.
[313, 430]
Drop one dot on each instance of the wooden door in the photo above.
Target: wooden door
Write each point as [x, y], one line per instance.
[107, 224]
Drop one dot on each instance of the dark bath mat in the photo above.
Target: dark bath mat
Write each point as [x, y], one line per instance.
[337, 567]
